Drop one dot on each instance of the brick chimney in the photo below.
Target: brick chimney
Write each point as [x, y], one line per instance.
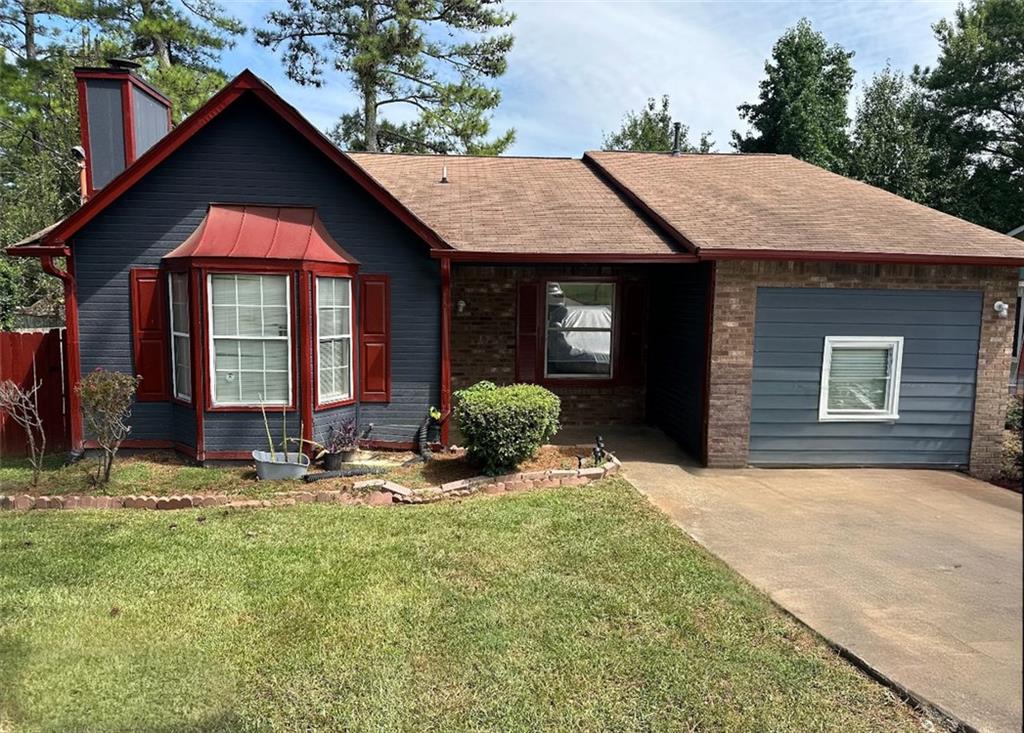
[121, 117]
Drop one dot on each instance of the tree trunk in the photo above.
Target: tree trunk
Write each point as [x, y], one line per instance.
[368, 85]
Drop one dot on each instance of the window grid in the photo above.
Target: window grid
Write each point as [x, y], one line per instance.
[337, 385]
[245, 399]
[181, 343]
[549, 329]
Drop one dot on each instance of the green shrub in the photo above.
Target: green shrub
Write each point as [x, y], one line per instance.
[1014, 413]
[504, 426]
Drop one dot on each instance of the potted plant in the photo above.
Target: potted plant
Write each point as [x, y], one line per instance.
[341, 445]
[272, 465]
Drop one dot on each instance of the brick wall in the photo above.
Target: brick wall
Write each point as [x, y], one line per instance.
[484, 340]
[732, 349]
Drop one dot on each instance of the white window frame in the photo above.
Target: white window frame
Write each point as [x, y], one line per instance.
[211, 338]
[182, 334]
[611, 331]
[890, 412]
[321, 398]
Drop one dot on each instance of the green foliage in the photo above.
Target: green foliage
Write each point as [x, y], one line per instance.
[650, 130]
[434, 56]
[802, 107]
[106, 399]
[504, 426]
[975, 97]
[890, 137]
[1015, 413]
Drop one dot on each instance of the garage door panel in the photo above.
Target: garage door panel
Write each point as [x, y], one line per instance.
[940, 333]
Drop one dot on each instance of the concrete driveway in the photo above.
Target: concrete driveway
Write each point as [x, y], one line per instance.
[916, 573]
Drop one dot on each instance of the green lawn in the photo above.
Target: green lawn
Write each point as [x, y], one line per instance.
[570, 609]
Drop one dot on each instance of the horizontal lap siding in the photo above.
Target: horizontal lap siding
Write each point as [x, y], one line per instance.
[248, 156]
[940, 353]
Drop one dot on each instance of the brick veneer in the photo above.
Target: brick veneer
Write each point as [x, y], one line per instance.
[484, 340]
[732, 348]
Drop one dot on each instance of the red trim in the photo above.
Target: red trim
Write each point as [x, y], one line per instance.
[107, 73]
[864, 257]
[243, 83]
[72, 367]
[32, 251]
[128, 123]
[709, 329]
[294, 344]
[197, 338]
[83, 124]
[576, 258]
[314, 316]
[446, 345]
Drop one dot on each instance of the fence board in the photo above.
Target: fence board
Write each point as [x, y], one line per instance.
[29, 355]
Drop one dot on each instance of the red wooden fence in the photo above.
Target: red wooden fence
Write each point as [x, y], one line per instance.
[26, 356]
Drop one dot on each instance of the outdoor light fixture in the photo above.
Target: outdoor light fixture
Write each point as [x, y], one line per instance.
[460, 306]
[1002, 309]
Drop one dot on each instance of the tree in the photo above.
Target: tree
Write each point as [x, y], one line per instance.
[975, 99]
[651, 130]
[432, 55]
[23, 407]
[106, 407]
[890, 139]
[178, 44]
[802, 103]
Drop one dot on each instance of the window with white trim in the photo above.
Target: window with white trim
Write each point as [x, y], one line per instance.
[334, 338]
[860, 378]
[250, 339]
[181, 344]
[578, 334]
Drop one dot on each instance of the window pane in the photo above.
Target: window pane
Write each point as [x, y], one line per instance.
[248, 289]
[226, 354]
[326, 322]
[182, 357]
[181, 384]
[250, 322]
[275, 321]
[223, 289]
[251, 353]
[275, 290]
[277, 387]
[325, 292]
[585, 353]
[224, 320]
[343, 318]
[179, 302]
[334, 358]
[252, 388]
[226, 385]
[276, 355]
[858, 379]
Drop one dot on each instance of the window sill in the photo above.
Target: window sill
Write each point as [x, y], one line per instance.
[345, 402]
[859, 418]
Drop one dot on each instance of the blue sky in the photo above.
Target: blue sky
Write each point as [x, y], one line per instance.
[577, 66]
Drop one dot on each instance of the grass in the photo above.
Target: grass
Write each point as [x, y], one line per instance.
[159, 473]
[567, 609]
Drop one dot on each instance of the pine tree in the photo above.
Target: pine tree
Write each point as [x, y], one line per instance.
[432, 55]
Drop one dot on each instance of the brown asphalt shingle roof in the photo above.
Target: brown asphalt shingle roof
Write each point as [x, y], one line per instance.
[776, 203]
[516, 205]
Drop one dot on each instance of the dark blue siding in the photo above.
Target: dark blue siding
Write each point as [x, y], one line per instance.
[676, 353]
[106, 129]
[940, 354]
[249, 156]
[150, 119]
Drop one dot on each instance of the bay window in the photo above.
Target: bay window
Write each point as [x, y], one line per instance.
[860, 378]
[579, 318]
[250, 339]
[334, 338]
[181, 345]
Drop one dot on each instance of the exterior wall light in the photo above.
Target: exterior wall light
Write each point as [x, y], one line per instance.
[1002, 309]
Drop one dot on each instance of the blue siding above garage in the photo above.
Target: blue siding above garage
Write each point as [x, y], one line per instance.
[940, 354]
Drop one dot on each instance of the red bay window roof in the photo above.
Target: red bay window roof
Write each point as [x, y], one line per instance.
[246, 231]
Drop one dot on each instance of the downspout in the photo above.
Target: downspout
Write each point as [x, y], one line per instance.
[446, 346]
[72, 369]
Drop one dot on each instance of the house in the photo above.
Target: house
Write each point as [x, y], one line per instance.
[756, 308]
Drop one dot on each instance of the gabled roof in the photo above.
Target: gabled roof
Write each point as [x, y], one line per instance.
[262, 232]
[517, 206]
[777, 206]
[58, 235]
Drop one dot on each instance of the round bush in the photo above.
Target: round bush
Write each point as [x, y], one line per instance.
[504, 426]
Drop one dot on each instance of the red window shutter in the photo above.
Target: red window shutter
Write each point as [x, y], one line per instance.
[374, 338]
[528, 345]
[149, 333]
[633, 339]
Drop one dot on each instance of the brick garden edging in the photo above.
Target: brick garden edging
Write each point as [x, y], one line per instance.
[372, 492]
